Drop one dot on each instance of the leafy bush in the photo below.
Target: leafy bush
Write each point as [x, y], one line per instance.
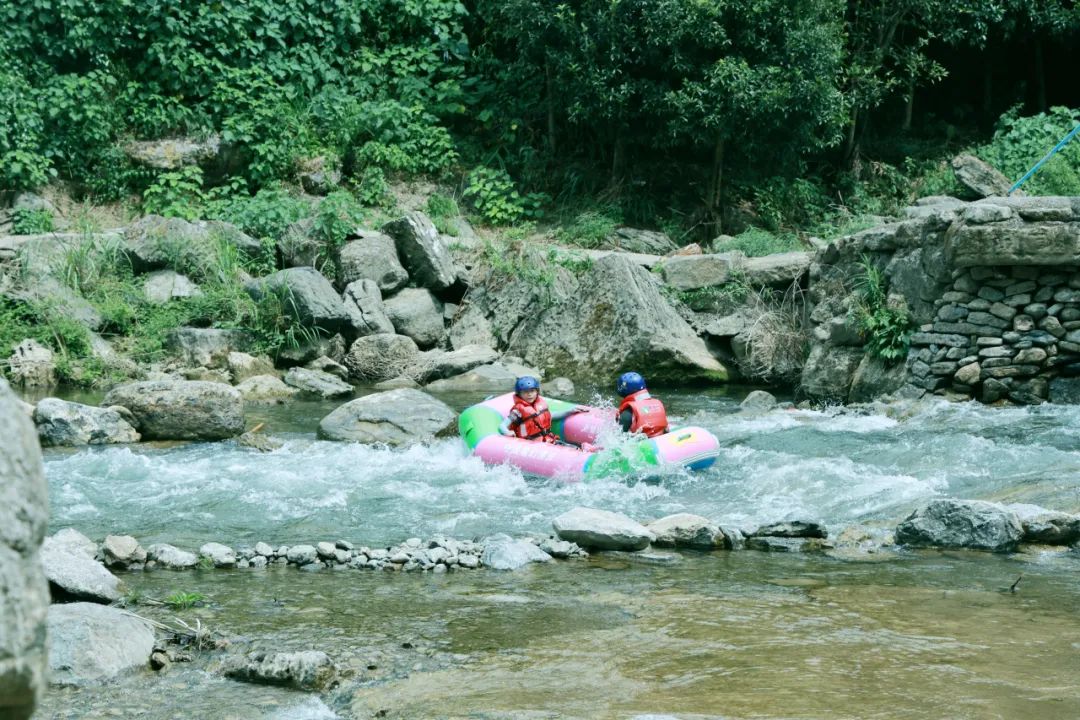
[23, 164]
[495, 198]
[444, 212]
[27, 221]
[64, 336]
[267, 214]
[1020, 142]
[176, 194]
[884, 323]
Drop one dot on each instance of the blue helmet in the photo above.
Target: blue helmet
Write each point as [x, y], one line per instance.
[629, 383]
[526, 383]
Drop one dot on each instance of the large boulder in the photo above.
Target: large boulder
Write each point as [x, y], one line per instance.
[962, 524]
[829, 371]
[206, 347]
[62, 423]
[645, 242]
[380, 357]
[875, 377]
[243, 366]
[182, 410]
[59, 298]
[72, 570]
[265, 389]
[306, 295]
[1013, 242]
[694, 272]
[395, 417]
[90, 644]
[24, 593]
[423, 251]
[363, 302]
[596, 324]
[416, 313]
[371, 256]
[779, 270]
[602, 530]
[157, 243]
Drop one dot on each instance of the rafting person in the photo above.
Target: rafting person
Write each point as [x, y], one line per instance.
[530, 418]
[639, 411]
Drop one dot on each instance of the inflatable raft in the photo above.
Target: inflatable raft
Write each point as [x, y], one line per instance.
[691, 447]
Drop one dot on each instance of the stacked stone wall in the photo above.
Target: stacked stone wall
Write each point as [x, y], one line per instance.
[1001, 333]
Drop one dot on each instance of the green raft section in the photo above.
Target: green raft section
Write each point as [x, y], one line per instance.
[479, 421]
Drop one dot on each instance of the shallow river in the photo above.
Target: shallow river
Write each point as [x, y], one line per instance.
[728, 635]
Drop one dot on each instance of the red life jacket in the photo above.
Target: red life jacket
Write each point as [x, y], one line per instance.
[535, 420]
[648, 413]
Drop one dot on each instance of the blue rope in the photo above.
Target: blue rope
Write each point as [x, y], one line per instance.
[1064, 141]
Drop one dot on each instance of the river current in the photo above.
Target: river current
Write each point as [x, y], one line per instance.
[725, 635]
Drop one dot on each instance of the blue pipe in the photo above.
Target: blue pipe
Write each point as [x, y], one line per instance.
[1064, 141]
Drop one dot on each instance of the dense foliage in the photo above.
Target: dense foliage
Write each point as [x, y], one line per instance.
[703, 115]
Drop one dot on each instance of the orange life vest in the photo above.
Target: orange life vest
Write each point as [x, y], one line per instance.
[647, 412]
[534, 420]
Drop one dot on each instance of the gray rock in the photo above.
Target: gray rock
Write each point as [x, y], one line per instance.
[979, 213]
[779, 270]
[318, 176]
[771, 543]
[397, 384]
[795, 528]
[307, 670]
[327, 365]
[423, 251]
[206, 347]
[173, 558]
[307, 296]
[645, 242]
[687, 530]
[161, 286]
[157, 243]
[560, 548]
[371, 256]
[90, 644]
[830, 371]
[24, 592]
[510, 554]
[265, 388]
[559, 387]
[602, 530]
[173, 153]
[758, 401]
[981, 178]
[375, 358]
[243, 366]
[72, 571]
[318, 383]
[1013, 243]
[395, 417]
[417, 314]
[694, 272]
[122, 550]
[437, 364]
[495, 378]
[363, 303]
[875, 378]
[302, 554]
[962, 524]
[32, 365]
[220, 555]
[263, 549]
[182, 410]
[62, 423]
[1046, 527]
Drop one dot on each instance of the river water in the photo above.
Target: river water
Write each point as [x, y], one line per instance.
[725, 635]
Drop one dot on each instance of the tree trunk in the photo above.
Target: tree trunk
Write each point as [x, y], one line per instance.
[715, 194]
[1040, 76]
[850, 145]
[988, 90]
[552, 145]
[618, 159]
[909, 104]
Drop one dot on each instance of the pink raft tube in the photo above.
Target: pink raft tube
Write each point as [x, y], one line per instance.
[690, 447]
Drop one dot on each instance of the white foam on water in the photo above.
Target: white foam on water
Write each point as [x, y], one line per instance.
[310, 708]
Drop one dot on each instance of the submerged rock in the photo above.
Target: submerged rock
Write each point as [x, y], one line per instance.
[89, 644]
[792, 529]
[686, 530]
[307, 670]
[758, 401]
[508, 554]
[1046, 527]
[969, 524]
[171, 557]
[602, 530]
